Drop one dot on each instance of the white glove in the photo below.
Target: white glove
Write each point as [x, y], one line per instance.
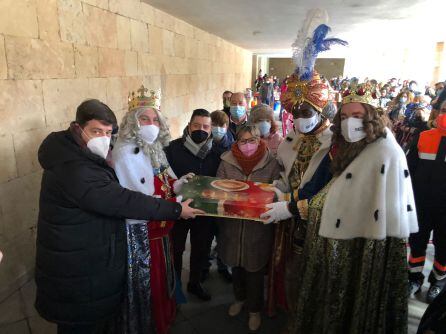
[278, 211]
[178, 184]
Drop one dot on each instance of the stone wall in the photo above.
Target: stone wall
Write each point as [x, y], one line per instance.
[56, 53]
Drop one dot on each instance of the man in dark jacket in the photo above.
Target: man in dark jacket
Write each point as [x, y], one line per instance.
[239, 113]
[427, 165]
[194, 153]
[81, 242]
[227, 102]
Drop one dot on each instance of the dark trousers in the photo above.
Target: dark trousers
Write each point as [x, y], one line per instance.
[200, 231]
[214, 234]
[429, 219]
[249, 286]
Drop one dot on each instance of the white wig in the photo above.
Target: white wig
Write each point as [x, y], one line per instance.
[129, 132]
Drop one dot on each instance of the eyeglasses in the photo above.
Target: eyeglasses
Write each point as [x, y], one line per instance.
[251, 140]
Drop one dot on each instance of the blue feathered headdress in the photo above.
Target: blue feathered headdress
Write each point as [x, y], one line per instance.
[309, 44]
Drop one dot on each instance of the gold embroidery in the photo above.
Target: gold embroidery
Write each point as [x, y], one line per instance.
[165, 188]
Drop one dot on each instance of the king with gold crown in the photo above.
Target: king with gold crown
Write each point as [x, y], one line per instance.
[141, 165]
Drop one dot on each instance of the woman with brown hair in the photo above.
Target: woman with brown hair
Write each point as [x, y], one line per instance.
[262, 116]
[354, 277]
[245, 245]
[398, 105]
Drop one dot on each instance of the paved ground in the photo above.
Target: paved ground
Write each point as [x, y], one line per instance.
[198, 317]
[18, 316]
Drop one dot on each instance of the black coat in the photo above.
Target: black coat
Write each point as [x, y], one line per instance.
[81, 241]
[182, 161]
[428, 176]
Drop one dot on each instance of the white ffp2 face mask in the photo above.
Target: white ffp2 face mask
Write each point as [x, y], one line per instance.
[352, 129]
[149, 133]
[99, 146]
[305, 125]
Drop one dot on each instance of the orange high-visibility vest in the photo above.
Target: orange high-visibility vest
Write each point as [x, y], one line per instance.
[429, 143]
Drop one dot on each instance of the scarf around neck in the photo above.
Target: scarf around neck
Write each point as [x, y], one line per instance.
[248, 163]
[199, 150]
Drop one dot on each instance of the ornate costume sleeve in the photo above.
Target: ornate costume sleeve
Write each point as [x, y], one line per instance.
[299, 202]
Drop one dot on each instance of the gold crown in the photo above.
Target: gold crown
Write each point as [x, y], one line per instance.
[141, 100]
[361, 94]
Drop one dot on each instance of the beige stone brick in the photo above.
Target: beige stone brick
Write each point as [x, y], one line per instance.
[192, 66]
[168, 43]
[155, 40]
[131, 63]
[117, 96]
[118, 90]
[72, 21]
[139, 36]
[203, 50]
[174, 65]
[212, 53]
[149, 64]
[164, 20]
[198, 34]
[19, 256]
[86, 61]
[191, 48]
[184, 28]
[123, 31]
[3, 67]
[48, 18]
[97, 3]
[26, 145]
[176, 85]
[19, 200]
[144, 61]
[180, 46]
[62, 96]
[101, 27]
[111, 62]
[128, 8]
[18, 18]
[155, 82]
[21, 106]
[8, 170]
[97, 89]
[147, 13]
[37, 59]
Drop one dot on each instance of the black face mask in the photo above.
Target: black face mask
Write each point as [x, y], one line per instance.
[199, 136]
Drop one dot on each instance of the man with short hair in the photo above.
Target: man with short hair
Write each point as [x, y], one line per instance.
[222, 142]
[238, 113]
[227, 102]
[193, 153]
[81, 241]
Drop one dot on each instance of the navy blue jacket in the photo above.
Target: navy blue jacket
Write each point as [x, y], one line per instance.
[182, 161]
